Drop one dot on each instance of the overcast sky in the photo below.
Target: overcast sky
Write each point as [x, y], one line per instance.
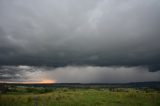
[100, 39]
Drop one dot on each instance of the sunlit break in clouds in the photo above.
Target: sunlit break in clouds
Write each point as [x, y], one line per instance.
[88, 41]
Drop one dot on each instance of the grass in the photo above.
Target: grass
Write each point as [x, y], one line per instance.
[82, 97]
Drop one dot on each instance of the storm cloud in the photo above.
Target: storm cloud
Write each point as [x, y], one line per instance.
[79, 33]
[78, 74]
[93, 32]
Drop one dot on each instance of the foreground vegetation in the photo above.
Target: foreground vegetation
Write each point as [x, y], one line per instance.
[80, 97]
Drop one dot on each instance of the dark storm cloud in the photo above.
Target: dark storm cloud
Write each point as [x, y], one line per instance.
[80, 32]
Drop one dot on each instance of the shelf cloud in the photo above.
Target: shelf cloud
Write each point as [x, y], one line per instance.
[79, 33]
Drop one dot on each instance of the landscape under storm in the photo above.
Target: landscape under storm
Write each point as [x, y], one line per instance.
[79, 52]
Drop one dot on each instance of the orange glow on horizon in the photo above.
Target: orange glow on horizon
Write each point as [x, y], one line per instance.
[48, 81]
[45, 81]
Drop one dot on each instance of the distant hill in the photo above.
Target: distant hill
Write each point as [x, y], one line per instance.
[153, 84]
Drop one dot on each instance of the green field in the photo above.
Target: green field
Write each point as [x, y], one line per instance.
[82, 97]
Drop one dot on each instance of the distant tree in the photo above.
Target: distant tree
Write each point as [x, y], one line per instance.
[4, 88]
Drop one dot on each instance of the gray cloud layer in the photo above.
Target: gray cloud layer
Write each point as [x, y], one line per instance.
[80, 32]
[82, 74]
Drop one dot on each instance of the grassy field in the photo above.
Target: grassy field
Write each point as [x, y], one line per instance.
[82, 97]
